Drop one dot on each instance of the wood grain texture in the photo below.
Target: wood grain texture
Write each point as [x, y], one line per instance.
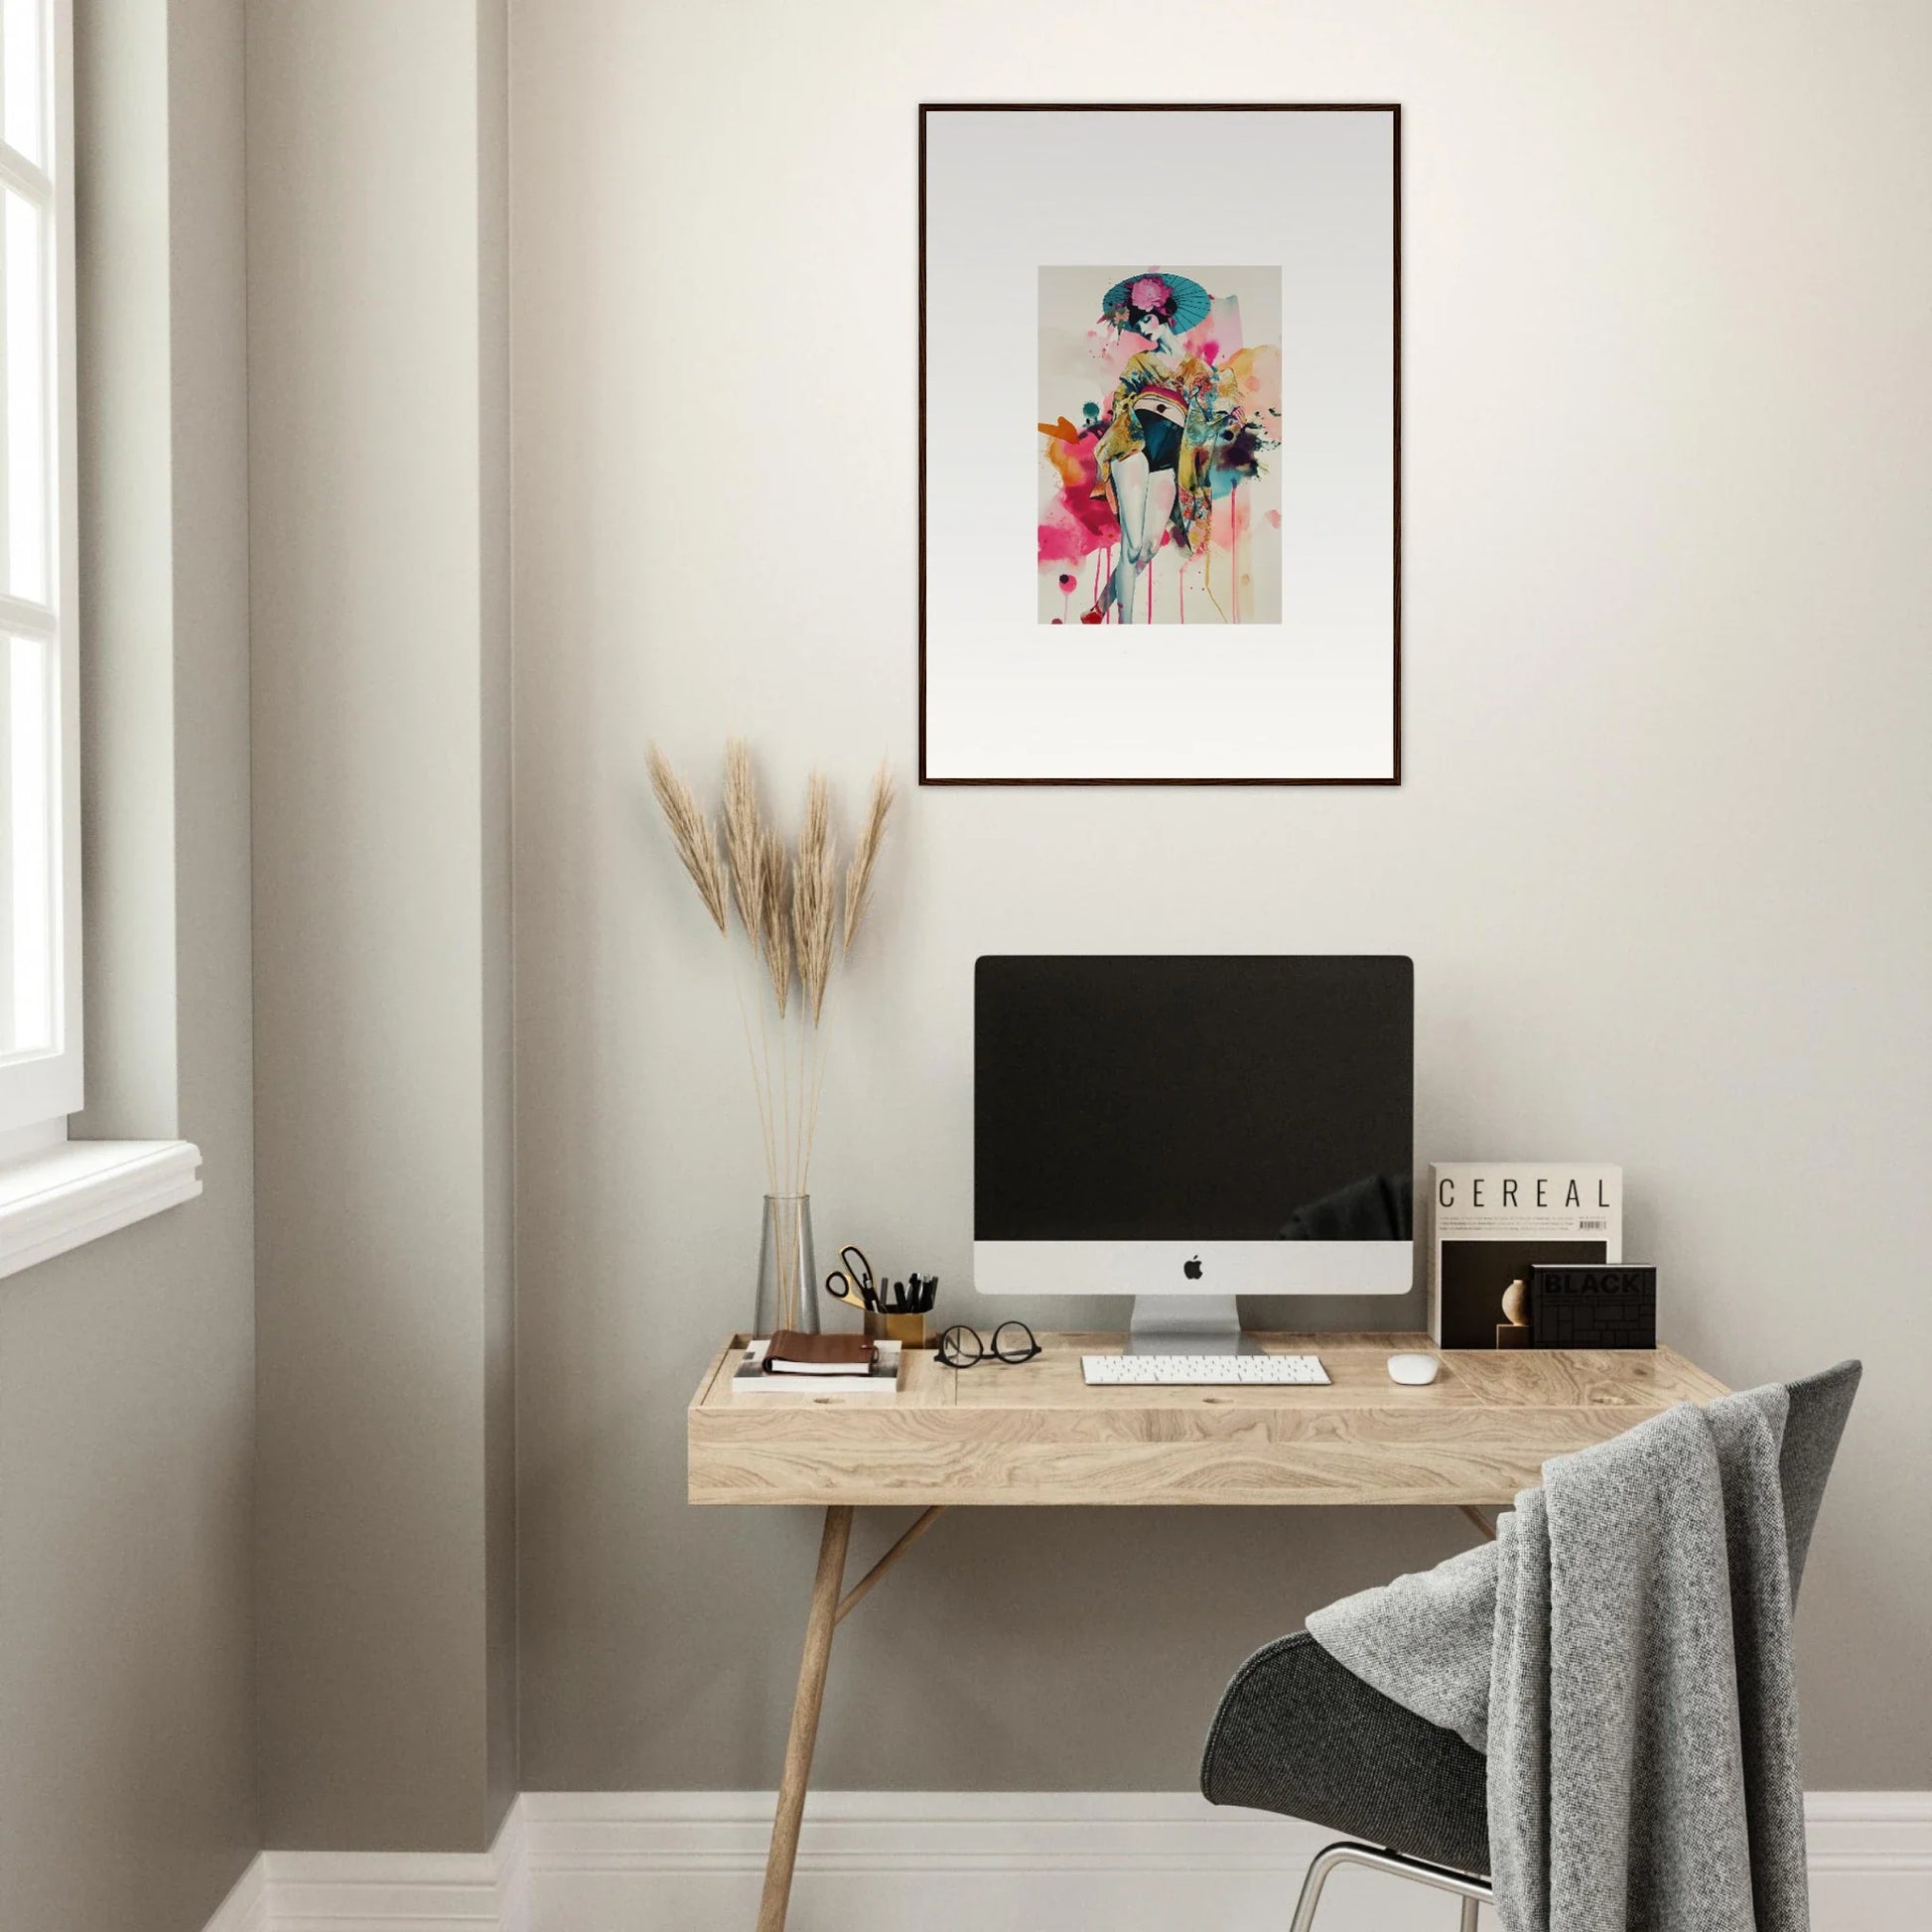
[1034, 1434]
[864, 1587]
[821, 1621]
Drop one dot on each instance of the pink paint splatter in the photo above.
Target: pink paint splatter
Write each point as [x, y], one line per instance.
[1077, 522]
[1234, 555]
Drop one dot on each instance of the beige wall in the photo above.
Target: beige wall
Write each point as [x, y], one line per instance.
[494, 908]
[127, 1763]
[379, 481]
[1659, 856]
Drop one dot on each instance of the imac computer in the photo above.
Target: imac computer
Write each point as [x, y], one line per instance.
[1187, 1130]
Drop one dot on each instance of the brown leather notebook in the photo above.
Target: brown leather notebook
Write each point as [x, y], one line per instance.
[794, 1353]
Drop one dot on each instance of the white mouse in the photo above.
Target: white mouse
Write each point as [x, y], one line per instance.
[1414, 1369]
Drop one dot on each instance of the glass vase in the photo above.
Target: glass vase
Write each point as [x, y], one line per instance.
[787, 1274]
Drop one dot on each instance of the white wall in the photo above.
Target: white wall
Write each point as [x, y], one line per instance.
[1659, 856]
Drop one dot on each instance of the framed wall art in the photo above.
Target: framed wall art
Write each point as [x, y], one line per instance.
[1159, 444]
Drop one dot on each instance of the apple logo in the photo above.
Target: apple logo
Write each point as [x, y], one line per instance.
[1191, 1269]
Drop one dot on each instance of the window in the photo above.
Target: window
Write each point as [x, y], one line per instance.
[39, 847]
[55, 1194]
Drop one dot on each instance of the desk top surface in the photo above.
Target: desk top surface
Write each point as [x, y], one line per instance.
[1035, 1433]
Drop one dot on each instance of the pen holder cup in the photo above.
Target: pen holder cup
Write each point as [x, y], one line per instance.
[906, 1329]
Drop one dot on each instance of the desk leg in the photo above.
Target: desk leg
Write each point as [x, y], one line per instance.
[819, 1620]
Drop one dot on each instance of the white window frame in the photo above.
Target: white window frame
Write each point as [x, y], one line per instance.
[38, 1090]
[54, 1192]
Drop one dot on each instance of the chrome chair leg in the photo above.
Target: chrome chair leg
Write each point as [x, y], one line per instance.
[1472, 1892]
[1324, 1862]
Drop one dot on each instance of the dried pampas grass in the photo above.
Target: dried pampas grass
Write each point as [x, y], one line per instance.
[774, 917]
[815, 896]
[691, 833]
[788, 905]
[864, 855]
[744, 836]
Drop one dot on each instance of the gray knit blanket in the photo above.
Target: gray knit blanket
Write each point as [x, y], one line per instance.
[1622, 1653]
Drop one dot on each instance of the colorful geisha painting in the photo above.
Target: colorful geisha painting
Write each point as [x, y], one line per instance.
[1160, 410]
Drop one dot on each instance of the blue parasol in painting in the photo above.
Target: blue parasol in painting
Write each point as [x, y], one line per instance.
[1182, 305]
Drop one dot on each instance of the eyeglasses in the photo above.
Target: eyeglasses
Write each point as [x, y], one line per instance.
[1013, 1341]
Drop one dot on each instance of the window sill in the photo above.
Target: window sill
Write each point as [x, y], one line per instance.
[81, 1189]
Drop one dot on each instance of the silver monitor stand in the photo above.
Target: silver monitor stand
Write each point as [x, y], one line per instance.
[1187, 1324]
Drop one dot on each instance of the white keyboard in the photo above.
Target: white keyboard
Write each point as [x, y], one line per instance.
[1202, 1371]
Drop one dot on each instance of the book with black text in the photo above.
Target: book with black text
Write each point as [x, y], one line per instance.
[1491, 1221]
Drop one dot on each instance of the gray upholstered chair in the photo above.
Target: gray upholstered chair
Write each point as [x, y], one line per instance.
[1299, 1733]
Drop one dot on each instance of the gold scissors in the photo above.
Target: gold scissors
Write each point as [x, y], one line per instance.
[851, 1281]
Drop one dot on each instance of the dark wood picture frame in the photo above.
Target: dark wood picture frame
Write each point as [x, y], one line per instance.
[1391, 108]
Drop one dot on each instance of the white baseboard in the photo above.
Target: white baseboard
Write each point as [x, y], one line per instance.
[386, 1892]
[954, 1862]
[1870, 1855]
[245, 1909]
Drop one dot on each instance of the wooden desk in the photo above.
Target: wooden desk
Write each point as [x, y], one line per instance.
[1034, 1433]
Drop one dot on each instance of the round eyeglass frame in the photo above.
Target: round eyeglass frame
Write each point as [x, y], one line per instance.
[1006, 1347]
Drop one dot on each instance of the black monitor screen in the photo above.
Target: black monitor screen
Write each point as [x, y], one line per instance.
[1193, 1099]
